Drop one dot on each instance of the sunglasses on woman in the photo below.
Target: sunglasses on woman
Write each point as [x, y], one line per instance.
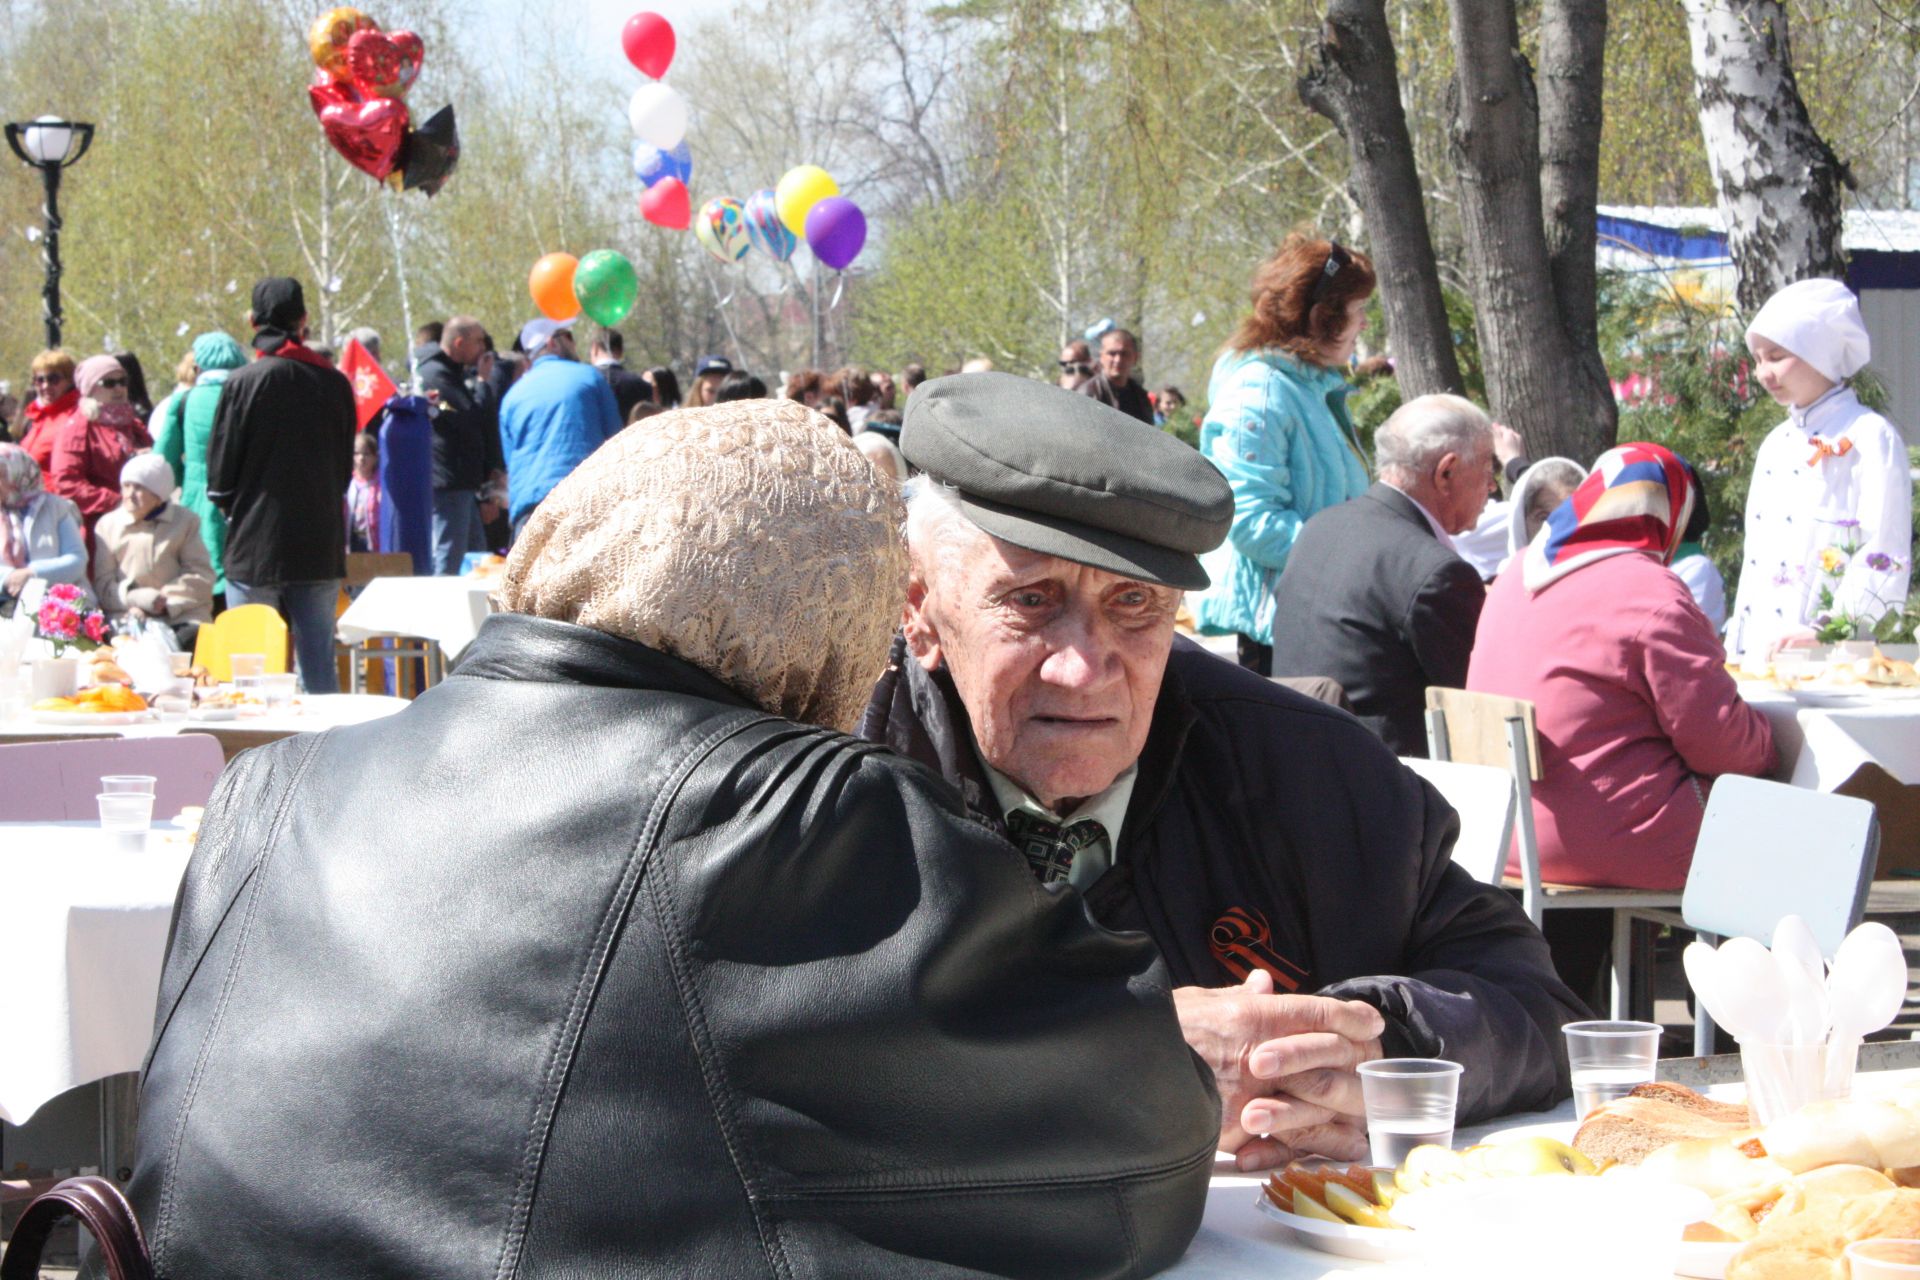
[111, 382]
[1336, 259]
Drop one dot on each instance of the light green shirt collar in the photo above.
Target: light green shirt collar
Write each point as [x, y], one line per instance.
[1109, 808]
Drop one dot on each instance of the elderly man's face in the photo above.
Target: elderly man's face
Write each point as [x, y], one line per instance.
[1058, 664]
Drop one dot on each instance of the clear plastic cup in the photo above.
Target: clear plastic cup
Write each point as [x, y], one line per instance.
[180, 664]
[279, 690]
[1609, 1060]
[126, 813]
[247, 664]
[1884, 1259]
[127, 784]
[1782, 1078]
[1410, 1103]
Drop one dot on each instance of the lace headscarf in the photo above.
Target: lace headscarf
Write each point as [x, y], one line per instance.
[750, 539]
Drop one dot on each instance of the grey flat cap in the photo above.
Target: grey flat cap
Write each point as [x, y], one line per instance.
[1065, 475]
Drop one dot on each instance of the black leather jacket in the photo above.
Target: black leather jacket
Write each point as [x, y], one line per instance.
[581, 966]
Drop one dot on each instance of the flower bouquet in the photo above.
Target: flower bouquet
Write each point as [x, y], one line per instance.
[66, 619]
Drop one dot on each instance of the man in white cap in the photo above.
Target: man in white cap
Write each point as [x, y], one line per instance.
[553, 419]
[1829, 513]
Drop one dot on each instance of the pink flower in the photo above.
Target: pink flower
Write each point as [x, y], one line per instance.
[96, 627]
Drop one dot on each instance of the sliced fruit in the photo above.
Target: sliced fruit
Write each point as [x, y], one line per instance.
[1385, 1189]
[1356, 1208]
[1306, 1184]
[1428, 1166]
[1356, 1178]
[1308, 1207]
[1280, 1192]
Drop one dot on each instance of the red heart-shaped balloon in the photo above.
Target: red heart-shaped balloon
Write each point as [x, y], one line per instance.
[368, 134]
[665, 204]
[412, 54]
[325, 92]
[381, 65]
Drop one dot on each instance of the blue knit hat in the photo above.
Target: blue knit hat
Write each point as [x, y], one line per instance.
[218, 351]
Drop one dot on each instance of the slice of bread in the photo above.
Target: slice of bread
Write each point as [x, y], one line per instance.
[1628, 1130]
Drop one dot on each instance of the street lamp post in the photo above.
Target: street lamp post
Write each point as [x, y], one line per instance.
[50, 144]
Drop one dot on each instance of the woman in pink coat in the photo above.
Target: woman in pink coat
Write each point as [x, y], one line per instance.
[1636, 712]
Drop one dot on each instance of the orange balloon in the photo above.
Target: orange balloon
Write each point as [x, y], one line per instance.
[551, 285]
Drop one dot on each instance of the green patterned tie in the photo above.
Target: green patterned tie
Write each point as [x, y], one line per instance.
[1077, 853]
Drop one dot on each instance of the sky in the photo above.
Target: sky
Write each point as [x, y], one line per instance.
[601, 20]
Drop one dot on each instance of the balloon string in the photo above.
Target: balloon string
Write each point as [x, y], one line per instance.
[839, 287]
[720, 304]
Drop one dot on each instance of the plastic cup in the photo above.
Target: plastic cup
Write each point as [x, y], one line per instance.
[1609, 1060]
[127, 784]
[1884, 1259]
[180, 664]
[126, 813]
[1782, 1078]
[1410, 1103]
[279, 690]
[247, 664]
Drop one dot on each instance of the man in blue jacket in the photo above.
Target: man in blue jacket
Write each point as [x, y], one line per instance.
[554, 417]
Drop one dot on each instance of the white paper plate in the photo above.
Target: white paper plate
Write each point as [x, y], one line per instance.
[212, 715]
[1370, 1244]
[102, 718]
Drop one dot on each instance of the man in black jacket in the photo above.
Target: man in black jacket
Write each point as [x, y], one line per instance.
[1373, 594]
[466, 440]
[629, 388]
[1295, 875]
[673, 980]
[278, 461]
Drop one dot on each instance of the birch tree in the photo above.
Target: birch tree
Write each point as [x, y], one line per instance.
[1776, 180]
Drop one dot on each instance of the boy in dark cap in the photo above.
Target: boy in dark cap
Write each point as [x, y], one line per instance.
[278, 462]
[1294, 875]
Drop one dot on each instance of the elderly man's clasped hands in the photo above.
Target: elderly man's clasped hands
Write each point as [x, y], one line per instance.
[1286, 1067]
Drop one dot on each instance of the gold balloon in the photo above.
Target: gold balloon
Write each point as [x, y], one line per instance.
[327, 37]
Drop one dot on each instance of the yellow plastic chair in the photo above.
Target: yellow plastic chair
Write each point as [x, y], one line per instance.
[248, 628]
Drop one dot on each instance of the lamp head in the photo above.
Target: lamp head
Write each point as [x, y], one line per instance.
[49, 142]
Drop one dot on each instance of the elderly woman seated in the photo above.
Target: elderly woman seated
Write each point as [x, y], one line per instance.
[40, 534]
[1635, 710]
[148, 559]
[644, 968]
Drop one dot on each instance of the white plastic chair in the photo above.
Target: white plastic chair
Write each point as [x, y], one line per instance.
[1768, 850]
[1483, 796]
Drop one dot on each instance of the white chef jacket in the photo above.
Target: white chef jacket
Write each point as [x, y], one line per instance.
[1799, 504]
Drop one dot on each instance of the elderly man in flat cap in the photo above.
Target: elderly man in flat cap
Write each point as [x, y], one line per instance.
[1295, 876]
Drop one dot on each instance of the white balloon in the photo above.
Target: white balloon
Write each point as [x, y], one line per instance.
[658, 116]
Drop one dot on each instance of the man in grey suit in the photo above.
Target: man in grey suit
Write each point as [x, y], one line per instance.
[1373, 594]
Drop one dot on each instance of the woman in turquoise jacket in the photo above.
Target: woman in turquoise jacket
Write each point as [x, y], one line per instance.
[181, 438]
[1277, 427]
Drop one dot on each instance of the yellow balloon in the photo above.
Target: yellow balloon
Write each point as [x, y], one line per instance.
[803, 187]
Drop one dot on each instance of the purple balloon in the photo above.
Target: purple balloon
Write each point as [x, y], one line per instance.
[836, 231]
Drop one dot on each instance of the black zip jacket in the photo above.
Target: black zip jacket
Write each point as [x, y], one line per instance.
[1269, 830]
[466, 426]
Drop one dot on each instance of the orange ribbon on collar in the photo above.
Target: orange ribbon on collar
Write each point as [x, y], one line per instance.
[1821, 449]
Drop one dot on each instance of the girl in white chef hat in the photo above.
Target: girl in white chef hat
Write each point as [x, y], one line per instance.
[1831, 499]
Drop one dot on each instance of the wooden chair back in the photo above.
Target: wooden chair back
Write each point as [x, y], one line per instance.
[1476, 727]
[364, 566]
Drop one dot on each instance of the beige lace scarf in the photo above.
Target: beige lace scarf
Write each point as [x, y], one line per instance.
[750, 539]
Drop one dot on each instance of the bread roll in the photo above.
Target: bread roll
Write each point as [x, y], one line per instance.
[1809, 1245]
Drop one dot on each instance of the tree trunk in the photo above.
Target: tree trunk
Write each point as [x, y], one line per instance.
[1573, 37]
[1778, 181]
[1352, 80]
[1494, 137]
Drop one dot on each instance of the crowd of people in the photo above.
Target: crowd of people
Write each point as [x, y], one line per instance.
[780, 792]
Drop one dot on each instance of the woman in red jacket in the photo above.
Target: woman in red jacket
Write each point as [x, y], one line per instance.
[55, 400]
[91, 446]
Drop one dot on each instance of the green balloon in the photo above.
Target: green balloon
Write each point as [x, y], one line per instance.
[606, 287]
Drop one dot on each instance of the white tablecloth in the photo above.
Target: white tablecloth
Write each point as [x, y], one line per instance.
[448, 611]
[1821, 745]
[310, 714]
[85, 931]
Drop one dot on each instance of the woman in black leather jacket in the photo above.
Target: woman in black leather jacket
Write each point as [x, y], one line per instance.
[612, 956]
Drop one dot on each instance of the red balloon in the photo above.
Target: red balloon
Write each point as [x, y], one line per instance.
[368, 134]
[648, 40]
[325, 92]
[383, 64]
[665, 204]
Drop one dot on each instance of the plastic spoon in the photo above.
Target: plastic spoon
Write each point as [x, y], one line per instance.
[1749, 991]
[1804, 998]
[1866, 989]
[1792, 937]
[1703, 975]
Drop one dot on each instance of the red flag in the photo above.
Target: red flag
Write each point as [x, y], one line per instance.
[372, 388]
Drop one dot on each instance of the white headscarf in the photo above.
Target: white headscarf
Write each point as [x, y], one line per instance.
[1819, 321]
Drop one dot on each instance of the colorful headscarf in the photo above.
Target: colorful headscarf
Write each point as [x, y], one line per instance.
[1638, 498]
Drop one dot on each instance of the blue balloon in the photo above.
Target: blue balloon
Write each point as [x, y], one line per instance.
[764, 228]
[650, 163]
